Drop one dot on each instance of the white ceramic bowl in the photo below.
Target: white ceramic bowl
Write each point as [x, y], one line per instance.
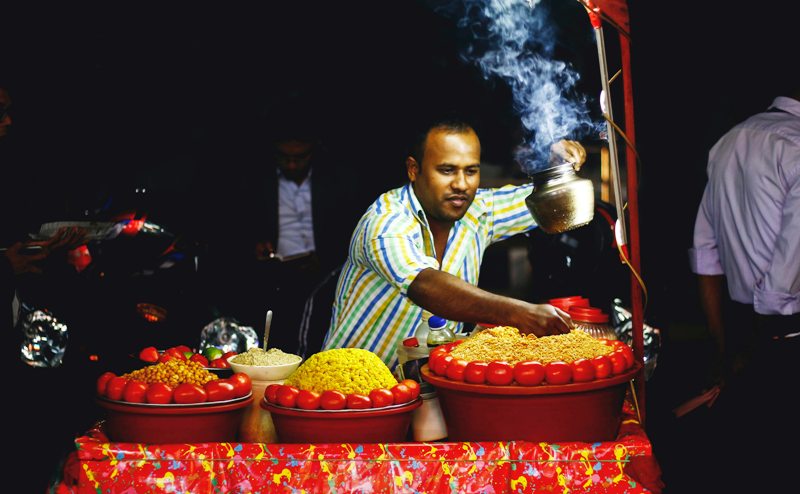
[265, 372]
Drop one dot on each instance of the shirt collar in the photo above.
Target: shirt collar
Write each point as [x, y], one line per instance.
[789, 105]
[475, 211]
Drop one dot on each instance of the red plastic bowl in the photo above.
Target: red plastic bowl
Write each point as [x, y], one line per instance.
[373, 425]
[589, 411]
[162, 424]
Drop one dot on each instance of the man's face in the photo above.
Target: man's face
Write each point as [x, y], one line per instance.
[294, 158]
[446, 182]
[5, 118]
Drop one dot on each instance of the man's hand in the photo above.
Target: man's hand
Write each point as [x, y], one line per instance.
[569, 152]
[23, 259]
[450, 297]
[541, 320]
[22, 262]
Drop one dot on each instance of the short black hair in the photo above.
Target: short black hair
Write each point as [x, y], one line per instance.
[450, 123]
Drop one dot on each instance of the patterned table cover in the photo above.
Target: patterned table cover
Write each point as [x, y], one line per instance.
[625, 465]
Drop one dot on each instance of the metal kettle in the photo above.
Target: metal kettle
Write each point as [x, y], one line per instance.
[561, 200]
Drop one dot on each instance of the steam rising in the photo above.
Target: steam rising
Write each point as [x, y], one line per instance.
[514, 40]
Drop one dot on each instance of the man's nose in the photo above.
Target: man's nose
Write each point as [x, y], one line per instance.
[459, 181]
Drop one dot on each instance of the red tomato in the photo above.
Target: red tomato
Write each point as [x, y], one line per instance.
[198, 357]
[440, 366]
[627, 352]
[219, 390]
[219, 364]
[308, 400]
[602, 366]
[189, 393]
[165, 357]
[226, 355]
[175, 353]
[401, 393]
[439, 350]
[499, 373]
[529, 373]
[287, 396]
[135, 392]
[271, 393]
[159, 393]
[359, 402]
[455, 370]
[115, 387]
[558, 372]
[381, 397]
[183, 349]
[149, 354]
[102, 381]
[413, 386]
[582, 370]
[241, 384]
[332, 400]
[617, 362]
[475, 372]
[617, 343]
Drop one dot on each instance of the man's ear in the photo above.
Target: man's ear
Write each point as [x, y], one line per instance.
[412, 168]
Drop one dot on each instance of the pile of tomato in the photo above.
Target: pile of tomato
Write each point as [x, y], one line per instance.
[211, 357]
[120, 388]
[405, 391]
[530, 373]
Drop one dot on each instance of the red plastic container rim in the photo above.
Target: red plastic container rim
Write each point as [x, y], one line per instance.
[587, 314]
[176, 408]
[517, 389]
[565, 303]
[347, 413]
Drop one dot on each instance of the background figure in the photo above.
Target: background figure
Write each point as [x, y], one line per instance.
[289, 227]
[746, 253]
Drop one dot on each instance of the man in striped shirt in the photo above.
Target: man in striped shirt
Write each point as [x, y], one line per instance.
[420, 247]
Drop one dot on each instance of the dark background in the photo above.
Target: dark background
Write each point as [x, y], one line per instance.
[107, 99]
[110, 99]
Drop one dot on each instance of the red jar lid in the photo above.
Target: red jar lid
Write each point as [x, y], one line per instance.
[564, 303]
[588, 314]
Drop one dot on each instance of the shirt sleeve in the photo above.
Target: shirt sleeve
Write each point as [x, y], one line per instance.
[510, 214]
[704, 255]
[394, 249]
[779, 290]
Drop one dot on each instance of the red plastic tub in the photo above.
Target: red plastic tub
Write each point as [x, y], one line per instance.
[174, 423]
[373, 425]
[588, 411]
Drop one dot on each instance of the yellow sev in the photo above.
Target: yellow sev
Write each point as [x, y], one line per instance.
[349, 370]
[505, 343]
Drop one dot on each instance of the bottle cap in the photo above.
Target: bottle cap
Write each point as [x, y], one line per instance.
[411, 342]
[436, 322]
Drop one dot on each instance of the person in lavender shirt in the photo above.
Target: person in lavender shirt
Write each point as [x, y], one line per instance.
[746, 253]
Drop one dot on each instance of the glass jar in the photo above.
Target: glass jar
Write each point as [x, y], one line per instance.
[593, 321]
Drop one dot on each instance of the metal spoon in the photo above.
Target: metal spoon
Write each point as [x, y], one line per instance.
[267, 324]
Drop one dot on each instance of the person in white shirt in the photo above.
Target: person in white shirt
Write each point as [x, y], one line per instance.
[746, 253]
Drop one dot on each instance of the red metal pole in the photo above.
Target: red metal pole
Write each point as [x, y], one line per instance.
[633, 220]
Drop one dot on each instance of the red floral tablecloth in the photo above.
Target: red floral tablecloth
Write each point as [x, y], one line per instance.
[625, 465]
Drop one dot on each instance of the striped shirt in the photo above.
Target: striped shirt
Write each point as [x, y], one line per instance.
[392, 243]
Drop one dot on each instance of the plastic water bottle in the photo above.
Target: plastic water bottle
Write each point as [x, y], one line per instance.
[421, 334]
[439, 332]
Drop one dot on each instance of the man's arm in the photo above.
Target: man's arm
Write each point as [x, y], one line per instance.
[451, 297]
[711, 301]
